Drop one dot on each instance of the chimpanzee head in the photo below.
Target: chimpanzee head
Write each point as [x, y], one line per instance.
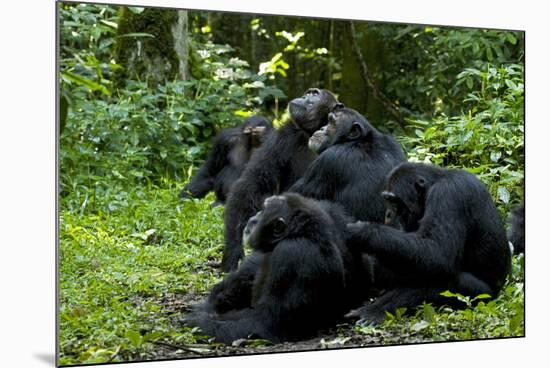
[405, 195]
[310, 111]
[256, 129]
[344, 125]
[283, 216]
[321, 137]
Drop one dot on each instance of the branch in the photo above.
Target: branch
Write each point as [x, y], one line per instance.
[187, 348]
[377, 94]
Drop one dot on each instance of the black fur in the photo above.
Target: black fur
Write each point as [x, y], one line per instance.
[281, 160]
[354, 160]
[516, 228]
[298, 279]
[231, 150]
[442, 233]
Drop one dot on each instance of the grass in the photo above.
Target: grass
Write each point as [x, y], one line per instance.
[131, 261]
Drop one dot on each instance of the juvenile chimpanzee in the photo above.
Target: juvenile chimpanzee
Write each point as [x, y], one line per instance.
[354, 160]
[442, 232]
[516, 229]
[231, 150]
[281, 160]
[294, 283]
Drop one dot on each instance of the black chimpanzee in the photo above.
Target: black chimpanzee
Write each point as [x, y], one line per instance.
[231, 150]
[516, 229]
[298, 279]
[354, 160]
[281, 160]
[442, 232]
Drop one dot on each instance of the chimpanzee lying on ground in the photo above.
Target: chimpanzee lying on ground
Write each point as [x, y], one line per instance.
[354, 160]
[281, 160]
[516, 230]
[231, 150]
[299, 279]
[442, 232]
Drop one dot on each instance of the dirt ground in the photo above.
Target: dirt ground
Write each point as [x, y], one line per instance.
[343, 336]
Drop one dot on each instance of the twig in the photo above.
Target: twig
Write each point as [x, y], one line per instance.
[178, 347]
[114, 354]
[388, 105]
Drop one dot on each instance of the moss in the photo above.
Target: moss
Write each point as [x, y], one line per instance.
[157, 58]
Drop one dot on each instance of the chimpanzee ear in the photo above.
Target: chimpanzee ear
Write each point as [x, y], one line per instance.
[392, 198]
[420, 182]
[338, 106]
[356, 131]
[389, 196]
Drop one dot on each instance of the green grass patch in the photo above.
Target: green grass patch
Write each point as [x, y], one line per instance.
[119, 258]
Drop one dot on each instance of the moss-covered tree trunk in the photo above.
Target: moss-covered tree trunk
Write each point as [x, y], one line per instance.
[152, 45]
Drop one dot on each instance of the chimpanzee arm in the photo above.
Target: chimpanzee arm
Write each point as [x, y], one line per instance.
[435, 249]
[260, 179]
[235, 290]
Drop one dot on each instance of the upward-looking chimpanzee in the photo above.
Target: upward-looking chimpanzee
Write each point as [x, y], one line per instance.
[281, 160]
[354, 160]
[442, 232]
[231, 150]
[516, 230]
[298, 279]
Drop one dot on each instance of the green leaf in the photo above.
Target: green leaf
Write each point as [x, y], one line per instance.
[495, 156]
[510, 84]
[489, 53]
[152, 336]
[134, 337]
[109, 23]
[136, 34]
[428, 312]
[448, 294]
[420, 326]
[482, 296]
[515, 323]
[88, 83]
[136, 10]
[511, 38]
[503, 194]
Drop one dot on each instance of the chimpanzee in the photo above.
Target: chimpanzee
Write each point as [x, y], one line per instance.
[516, 229]
[354, 160]
[231, 150]
[281, 160]
[441, 232]
[297, 280]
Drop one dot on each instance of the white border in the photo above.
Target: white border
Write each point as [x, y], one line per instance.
[27, 184]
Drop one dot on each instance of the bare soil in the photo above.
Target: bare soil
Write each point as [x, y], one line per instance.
[342, 336]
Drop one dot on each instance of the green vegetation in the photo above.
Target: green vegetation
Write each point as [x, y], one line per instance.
[133, 257]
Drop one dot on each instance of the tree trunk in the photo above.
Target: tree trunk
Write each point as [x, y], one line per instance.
[181, 44]
[153, 46]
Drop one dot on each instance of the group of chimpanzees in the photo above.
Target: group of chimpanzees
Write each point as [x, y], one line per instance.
[335, 216]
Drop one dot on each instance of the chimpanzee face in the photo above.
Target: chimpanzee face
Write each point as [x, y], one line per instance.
[398, 214]
[324, 137]
[310, 111]
[319, 138]
[269, 226]
[282, 216]
[405, 196]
